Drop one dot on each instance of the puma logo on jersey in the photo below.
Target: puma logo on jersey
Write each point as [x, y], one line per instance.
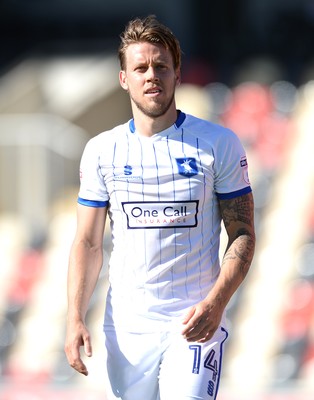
[187, 166]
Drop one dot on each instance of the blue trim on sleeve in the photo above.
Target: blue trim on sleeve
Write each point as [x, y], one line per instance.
[232, 195]
[92, 203]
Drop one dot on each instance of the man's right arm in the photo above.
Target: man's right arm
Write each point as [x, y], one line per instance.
[85, 262]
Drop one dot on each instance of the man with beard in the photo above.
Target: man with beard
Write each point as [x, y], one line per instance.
[165, 180]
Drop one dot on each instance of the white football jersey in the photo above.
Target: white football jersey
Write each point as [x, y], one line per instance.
[162, 196]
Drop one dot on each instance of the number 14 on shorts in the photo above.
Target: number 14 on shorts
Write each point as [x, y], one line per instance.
[209, 363]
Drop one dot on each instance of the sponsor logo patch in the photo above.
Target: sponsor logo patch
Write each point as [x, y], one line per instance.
[162, 214]
[245, 172]
[243, 162]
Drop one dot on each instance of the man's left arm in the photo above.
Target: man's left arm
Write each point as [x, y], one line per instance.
[204, 318]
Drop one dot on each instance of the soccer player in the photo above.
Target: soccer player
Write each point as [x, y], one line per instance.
[165, 180]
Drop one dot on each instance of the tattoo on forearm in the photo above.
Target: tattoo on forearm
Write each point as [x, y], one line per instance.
[242, 249]
[235, 212]
[238, 209]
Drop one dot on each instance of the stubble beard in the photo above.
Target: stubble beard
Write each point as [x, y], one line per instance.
[156, 110]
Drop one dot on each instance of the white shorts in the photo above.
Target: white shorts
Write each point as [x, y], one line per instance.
[163, 366]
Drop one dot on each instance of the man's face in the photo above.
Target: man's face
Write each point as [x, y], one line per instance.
[150, 78]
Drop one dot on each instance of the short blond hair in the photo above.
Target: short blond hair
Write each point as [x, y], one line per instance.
[149, 29]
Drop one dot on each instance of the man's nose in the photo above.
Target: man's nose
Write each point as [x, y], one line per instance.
[152, 74]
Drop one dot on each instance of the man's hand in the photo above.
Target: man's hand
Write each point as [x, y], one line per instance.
[201, 322]
[78, 336]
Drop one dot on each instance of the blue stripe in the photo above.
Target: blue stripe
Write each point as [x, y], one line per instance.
[220, 361]
[171, 161]
[142, 167]
[232, 195]
[92, 203]
[157, 170]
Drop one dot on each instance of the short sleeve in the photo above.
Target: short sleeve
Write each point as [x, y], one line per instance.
[93, 192]
[231, 167]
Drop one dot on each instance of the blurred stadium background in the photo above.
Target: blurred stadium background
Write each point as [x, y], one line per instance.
[248, 64]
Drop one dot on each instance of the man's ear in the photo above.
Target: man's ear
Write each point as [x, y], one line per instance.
[178, 77]
[123, 80]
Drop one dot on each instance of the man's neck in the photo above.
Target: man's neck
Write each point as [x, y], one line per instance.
[148, 126]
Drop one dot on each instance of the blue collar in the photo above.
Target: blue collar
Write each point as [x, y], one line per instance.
[180, 119]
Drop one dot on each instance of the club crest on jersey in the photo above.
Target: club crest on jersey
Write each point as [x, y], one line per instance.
[187, 166]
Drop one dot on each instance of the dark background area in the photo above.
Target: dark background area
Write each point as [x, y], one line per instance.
[217, 36]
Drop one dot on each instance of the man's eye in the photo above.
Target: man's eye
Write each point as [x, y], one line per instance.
[161, 66]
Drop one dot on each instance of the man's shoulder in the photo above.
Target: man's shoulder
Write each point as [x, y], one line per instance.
[109, 135]
[104, 141]
[116, 130]
[206, 128]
